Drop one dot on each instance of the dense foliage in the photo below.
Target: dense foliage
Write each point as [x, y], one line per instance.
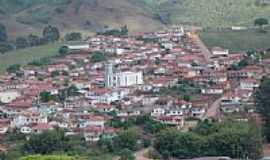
[115, 32]
[3, 33]
[49, 157]
[13, 68]
[98, 57]
[262, 99]
[230, 138]
[261, 22]
[47, 143]
[51, 33]
[74, 36]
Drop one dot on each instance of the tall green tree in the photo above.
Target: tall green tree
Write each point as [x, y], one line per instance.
[126, 154]
[13, 68]
[51, 33]
[127, 139]
[47, 143]
[262, 100]
[261, 22]
[21, 43]
[74, 36]
[5, 47]
[33, 40]
[3, 33]
[98, 57]
[230, 138]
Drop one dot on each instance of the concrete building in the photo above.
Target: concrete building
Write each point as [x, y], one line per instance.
[121, 79]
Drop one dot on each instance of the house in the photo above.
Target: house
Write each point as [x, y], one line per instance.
[18, 106]
[230, 108]
[104, 95]
[231, 98]
[158, 112]
[57, 67]
[92, 133]
[104, 108]
[212, 90]
[27, 118]
[4, 128]
[218, 51]
[109, 133]
[4, 125]
[91, 120]
[198, 111]
[26, 130]
[174, 111]
[171, 120]
[249, 83]
[41, 127]
[77, 47]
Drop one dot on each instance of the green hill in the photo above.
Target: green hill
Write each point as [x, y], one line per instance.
[26, 16]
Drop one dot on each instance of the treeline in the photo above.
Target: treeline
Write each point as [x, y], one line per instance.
[50, 34]
[115, 32]
[230, 138]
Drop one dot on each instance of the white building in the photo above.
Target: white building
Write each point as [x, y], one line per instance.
[217, 51]
[78, 47]
[8, 96]
[121, 79]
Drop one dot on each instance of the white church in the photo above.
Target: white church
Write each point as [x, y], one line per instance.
[121, 79]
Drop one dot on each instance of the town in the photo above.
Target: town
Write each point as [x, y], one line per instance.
[167, 75]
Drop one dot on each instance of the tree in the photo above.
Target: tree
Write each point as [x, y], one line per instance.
[46, 96]
[98, 57]
[126, 154]
[229, 138]
[33, 40]
[262, 101]
[72, 91]
[51, 33]
[63, 50]
[74, 36]
[261, 22]
[124, 30]
[13, 68]
[127, 139]
[172, 143]
[47, 143]
[5, 47]
[49, 157]
[21, 43]
[3, 33]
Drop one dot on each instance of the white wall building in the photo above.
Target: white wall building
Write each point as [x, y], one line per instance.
[122, 79]
[8, 96]
[217, 51]
[78, 47]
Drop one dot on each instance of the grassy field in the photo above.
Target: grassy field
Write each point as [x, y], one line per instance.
[25, 56]
[237, 40]
[214, 13]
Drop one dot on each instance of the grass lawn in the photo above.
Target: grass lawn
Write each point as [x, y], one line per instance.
[237, 40]
[25, 56]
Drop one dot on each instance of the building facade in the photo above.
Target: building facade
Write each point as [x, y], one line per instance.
[121, 79]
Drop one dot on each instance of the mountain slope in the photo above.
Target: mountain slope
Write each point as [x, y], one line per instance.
[27, 16]
[76, 15]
